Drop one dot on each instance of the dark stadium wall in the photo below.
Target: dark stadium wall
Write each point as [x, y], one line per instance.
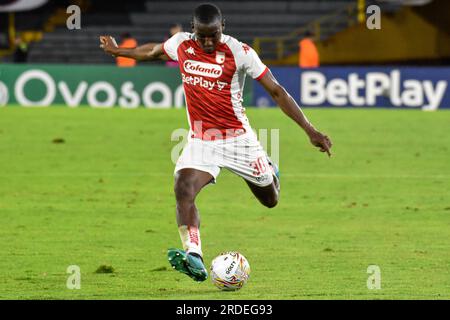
[436, 13]
[407, 36]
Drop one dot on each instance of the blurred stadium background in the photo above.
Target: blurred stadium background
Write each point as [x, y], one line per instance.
[94, 187]
[413, 33]
[273, 27]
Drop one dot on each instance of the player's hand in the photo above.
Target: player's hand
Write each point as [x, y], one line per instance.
[321, 141]
[108, 44]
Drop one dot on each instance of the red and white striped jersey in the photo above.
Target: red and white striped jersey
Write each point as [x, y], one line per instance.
[214, 83]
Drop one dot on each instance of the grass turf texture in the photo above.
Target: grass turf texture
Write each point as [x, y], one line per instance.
[93, 188]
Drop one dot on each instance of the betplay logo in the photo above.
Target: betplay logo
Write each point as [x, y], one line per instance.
[316, 89]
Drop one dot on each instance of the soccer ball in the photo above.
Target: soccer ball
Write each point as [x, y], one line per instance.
[229, 271]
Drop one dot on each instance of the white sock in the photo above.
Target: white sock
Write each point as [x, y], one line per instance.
[190, 238]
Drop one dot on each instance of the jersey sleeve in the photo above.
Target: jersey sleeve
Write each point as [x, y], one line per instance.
[252, 64]
[170, 47]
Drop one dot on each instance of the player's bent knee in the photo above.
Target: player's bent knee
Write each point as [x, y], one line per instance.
[184, 190]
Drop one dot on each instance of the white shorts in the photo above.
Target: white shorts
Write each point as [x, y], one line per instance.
[242, 155]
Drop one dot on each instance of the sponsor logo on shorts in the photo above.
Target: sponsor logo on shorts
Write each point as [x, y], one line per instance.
[262, 178]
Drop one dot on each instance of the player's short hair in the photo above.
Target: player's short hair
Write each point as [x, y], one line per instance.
[207, 13]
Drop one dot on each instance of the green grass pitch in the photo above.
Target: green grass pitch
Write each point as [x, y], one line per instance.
[104, 197]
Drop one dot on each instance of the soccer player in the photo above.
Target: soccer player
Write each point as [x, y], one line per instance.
[213, 67]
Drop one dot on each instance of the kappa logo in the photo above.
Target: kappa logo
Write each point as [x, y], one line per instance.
[202, 68]
[190, 50]
[246, 48]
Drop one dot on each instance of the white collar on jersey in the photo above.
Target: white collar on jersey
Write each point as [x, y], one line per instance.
[222, 39]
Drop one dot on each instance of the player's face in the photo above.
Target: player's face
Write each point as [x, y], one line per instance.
[208, 35]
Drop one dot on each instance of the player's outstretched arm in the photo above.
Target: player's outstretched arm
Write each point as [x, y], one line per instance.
[292, 109]
[148, 51]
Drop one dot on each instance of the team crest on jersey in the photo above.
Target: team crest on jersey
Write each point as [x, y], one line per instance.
[220, 57]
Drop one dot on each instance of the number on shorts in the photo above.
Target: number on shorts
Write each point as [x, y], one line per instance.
[259, 166]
